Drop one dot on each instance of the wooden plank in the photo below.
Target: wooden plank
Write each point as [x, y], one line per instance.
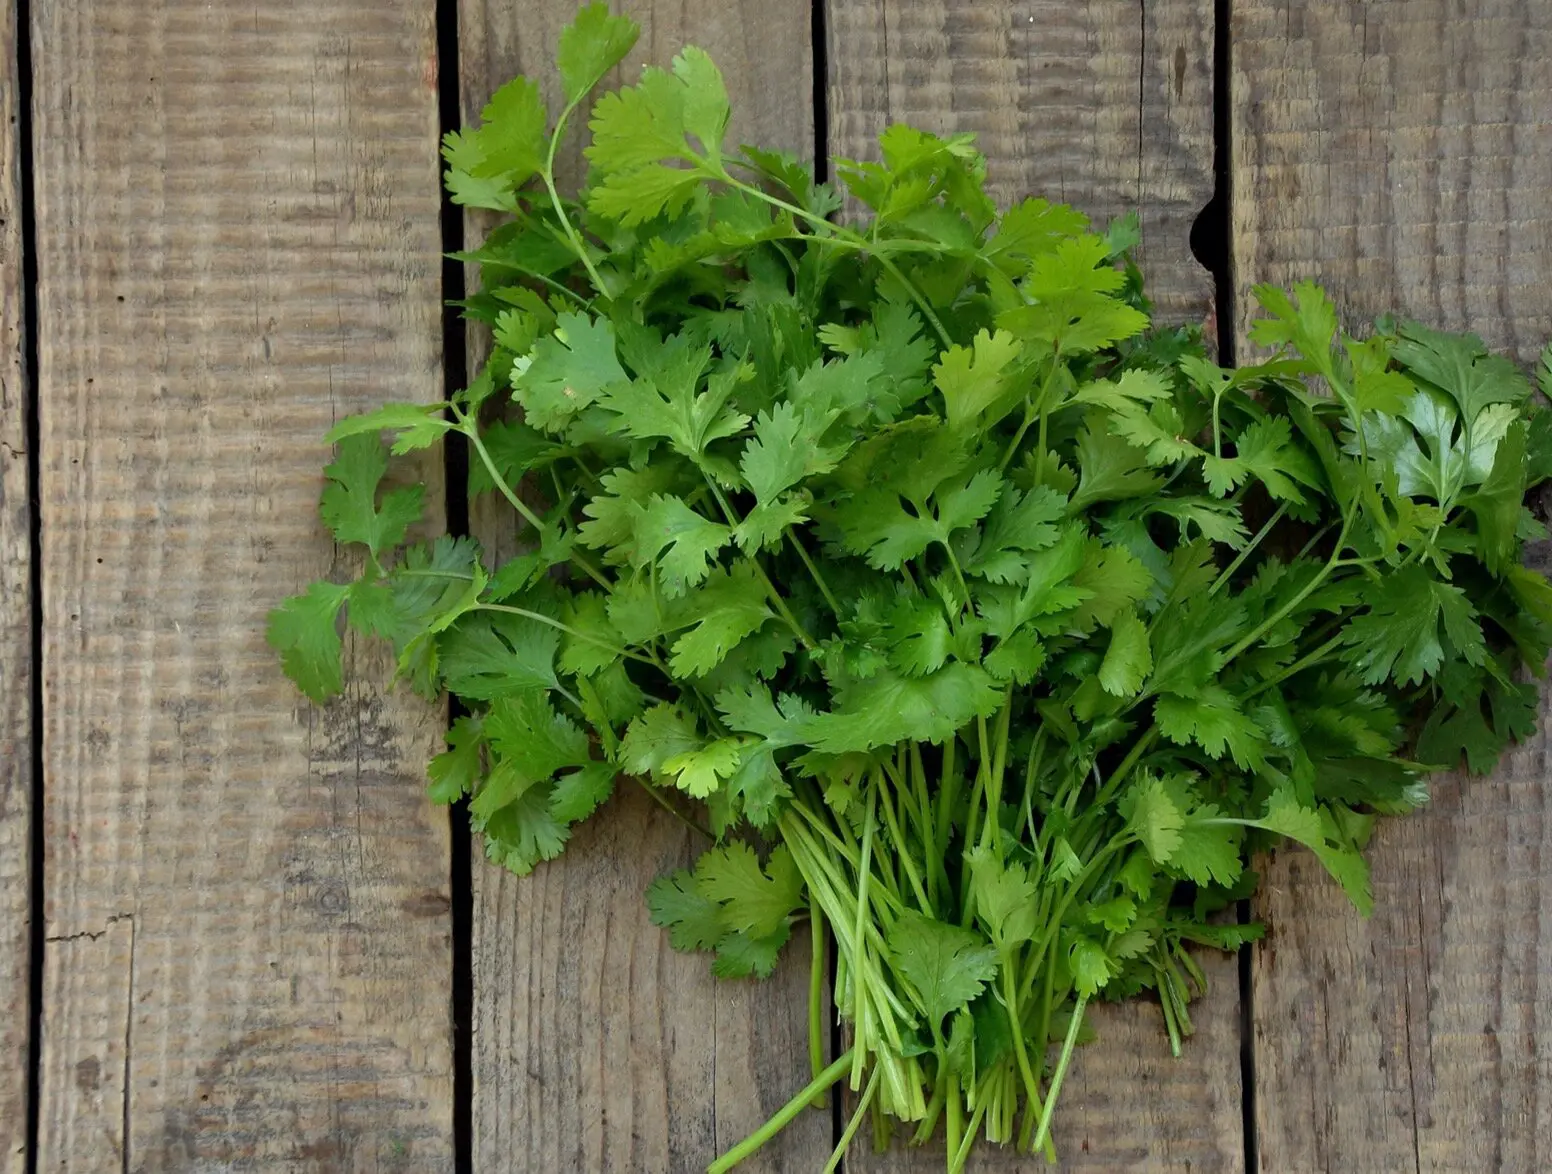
[1105, 104]
[1400, 153]
[247, 903]
[596, 1047]
[1108, 107]
[16, 680]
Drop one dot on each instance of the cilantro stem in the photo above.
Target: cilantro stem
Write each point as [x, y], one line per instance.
[1044, 1132]
[813, 570]
[1016, 1025]
[851, 1126]
[783, 1116]
[904, 854]
[1298, 666]
[1299, 597]
[775, 596]
[560, 287]
[864, 875]
[661, 801]
[816, 983]
[1030, 415]
[842, 236]
[469, 428]
[962, 1154]
[1248, 550]
[540, 617]
[548, 175]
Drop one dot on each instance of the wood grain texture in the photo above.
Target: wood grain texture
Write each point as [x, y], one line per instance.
[1107, 106]
[247, 908]
[1104, 104]
[1402, 154]
[16, 669]
[596, 1047]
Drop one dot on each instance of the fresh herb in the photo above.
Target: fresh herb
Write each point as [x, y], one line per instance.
[988, 630]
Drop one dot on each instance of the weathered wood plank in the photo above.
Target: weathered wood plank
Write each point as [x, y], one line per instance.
[1400, 153]
[1104, 104]
[1107, 106]
[596, 1047]
[247, 905]
[16, 679]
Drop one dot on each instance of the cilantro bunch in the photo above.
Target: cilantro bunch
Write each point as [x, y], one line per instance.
[986, 630]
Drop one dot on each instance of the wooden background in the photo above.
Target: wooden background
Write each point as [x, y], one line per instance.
[233, 935]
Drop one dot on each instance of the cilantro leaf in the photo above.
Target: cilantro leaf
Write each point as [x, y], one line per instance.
[590, 46]
[567, 371]
[304, 630]
[349, 504]
[946, 966]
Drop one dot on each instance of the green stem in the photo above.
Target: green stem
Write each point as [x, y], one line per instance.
[962, 1154]
[539, 617]
[1288, 608]
[671, 809]
[851, 1126]
[816, 984]
[467, 426]
[1239, 559]
[843, 236]
[1044, 1132]
[548, 174]
[1015, 1022]
[864, 875]
[1298, 666]
[782, 1117]
[774, 595]
[813, 571]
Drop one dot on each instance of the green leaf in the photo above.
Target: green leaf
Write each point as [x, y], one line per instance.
[1109, 467]
[1459, 365]
[679, 540]
[590, 46]
[887, 709]
[973, 379]
[349, 503]
[741, 956]
[702, 770]
[1316, 830]
[1410, 616]
[1154, 817]
[1306, 321]
[1074, 304]
[677, 903]
[1128, 660]
[530, 738]
[305, 631]
[1019, 524]
[414, 425]
[1213, 720]
[1005, 900]
[1265, 451]
[522, 833]
[730, 607]
[1091, 967]
[577, 794]
[755, 901]
[640, 131]
[486, 654]
[567, 371]
[458, 769]
[657, 735]
[945, 965]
